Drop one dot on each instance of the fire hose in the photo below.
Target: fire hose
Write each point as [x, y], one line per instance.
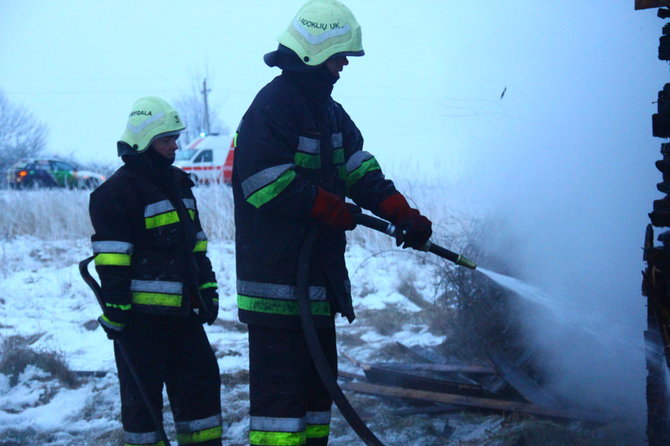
[97, 291]
[318, 357]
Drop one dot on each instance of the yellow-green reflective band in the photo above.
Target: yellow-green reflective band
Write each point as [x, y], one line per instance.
[208, 285]
[338, 156]
[262, 196]
[107, 259]
[166, 300]
[124, 307]
[110, 323]
[317, 430]
[308, 160]
[192, 214]
[235, 139]
[358, 173]
[200, 246]
[276, 306]
[161, 220]
[260, 438]
[213, 433]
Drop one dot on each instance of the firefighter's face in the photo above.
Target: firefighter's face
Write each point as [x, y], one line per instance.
[336, 64]
[166, 146]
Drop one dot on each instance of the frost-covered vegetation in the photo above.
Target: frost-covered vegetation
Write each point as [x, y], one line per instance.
[51, 341]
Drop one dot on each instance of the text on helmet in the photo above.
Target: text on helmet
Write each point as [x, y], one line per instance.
[323, 26]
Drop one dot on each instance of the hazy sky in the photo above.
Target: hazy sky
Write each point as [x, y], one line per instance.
[566, 156]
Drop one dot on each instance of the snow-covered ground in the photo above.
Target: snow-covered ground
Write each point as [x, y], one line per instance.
[44, 300]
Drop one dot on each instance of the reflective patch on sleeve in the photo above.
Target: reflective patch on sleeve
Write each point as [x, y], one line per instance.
[267, 184]
[160, 207]
[208, 285]
[112, 246]
[358, 165]
[189, 203]
[108, 259]
[116, 326]
[158, 214]
[201, 242]
[161, 220]
[112, 253]
[309, 145]
[308, 154]
[123, 307]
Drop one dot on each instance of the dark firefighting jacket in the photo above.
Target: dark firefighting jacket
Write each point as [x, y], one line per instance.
[149, 246]
[295, 138]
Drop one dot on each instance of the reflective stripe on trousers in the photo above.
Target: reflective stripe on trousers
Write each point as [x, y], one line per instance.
[277, 431]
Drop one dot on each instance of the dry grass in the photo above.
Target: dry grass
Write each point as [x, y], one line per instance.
[17, 354]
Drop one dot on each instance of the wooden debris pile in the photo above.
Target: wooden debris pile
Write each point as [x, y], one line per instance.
[502, 385]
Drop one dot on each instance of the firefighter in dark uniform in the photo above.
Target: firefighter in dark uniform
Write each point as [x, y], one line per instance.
[298, 155]
[157, 283]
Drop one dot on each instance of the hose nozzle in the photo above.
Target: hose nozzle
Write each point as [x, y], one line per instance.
[463, 261]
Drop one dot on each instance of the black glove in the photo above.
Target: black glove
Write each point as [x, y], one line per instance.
[113, 329]
[413, 230]
[211, 298]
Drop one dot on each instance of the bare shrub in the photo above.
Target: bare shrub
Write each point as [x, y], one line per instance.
[18, 354]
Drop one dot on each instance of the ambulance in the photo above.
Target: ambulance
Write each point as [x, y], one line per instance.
[208, 159]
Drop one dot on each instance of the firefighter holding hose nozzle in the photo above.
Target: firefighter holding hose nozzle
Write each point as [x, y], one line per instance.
[298, 156]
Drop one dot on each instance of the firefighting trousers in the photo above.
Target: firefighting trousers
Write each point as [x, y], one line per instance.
[173, 351]
[289, 404]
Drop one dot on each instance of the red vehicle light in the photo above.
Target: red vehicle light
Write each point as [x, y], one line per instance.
[23, 173]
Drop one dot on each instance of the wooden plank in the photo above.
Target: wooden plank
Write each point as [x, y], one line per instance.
[447, 368]
[469, 401]
[419, 381]
[521, 382]
[430, 409]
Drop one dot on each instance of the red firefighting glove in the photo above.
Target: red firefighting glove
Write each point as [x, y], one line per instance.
[412, 229]
[331, 210]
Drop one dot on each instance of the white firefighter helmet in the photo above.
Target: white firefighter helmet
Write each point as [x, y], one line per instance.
[150, 118]
[322, 29]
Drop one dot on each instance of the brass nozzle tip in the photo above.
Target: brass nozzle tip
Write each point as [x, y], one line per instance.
[466, 262]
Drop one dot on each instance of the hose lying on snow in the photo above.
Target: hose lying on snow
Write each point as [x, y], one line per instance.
[307, 322]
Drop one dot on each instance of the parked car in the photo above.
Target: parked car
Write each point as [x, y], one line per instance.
[208, 159]
[27, 174]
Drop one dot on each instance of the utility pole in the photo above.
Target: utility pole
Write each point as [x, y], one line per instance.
[204, 95]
